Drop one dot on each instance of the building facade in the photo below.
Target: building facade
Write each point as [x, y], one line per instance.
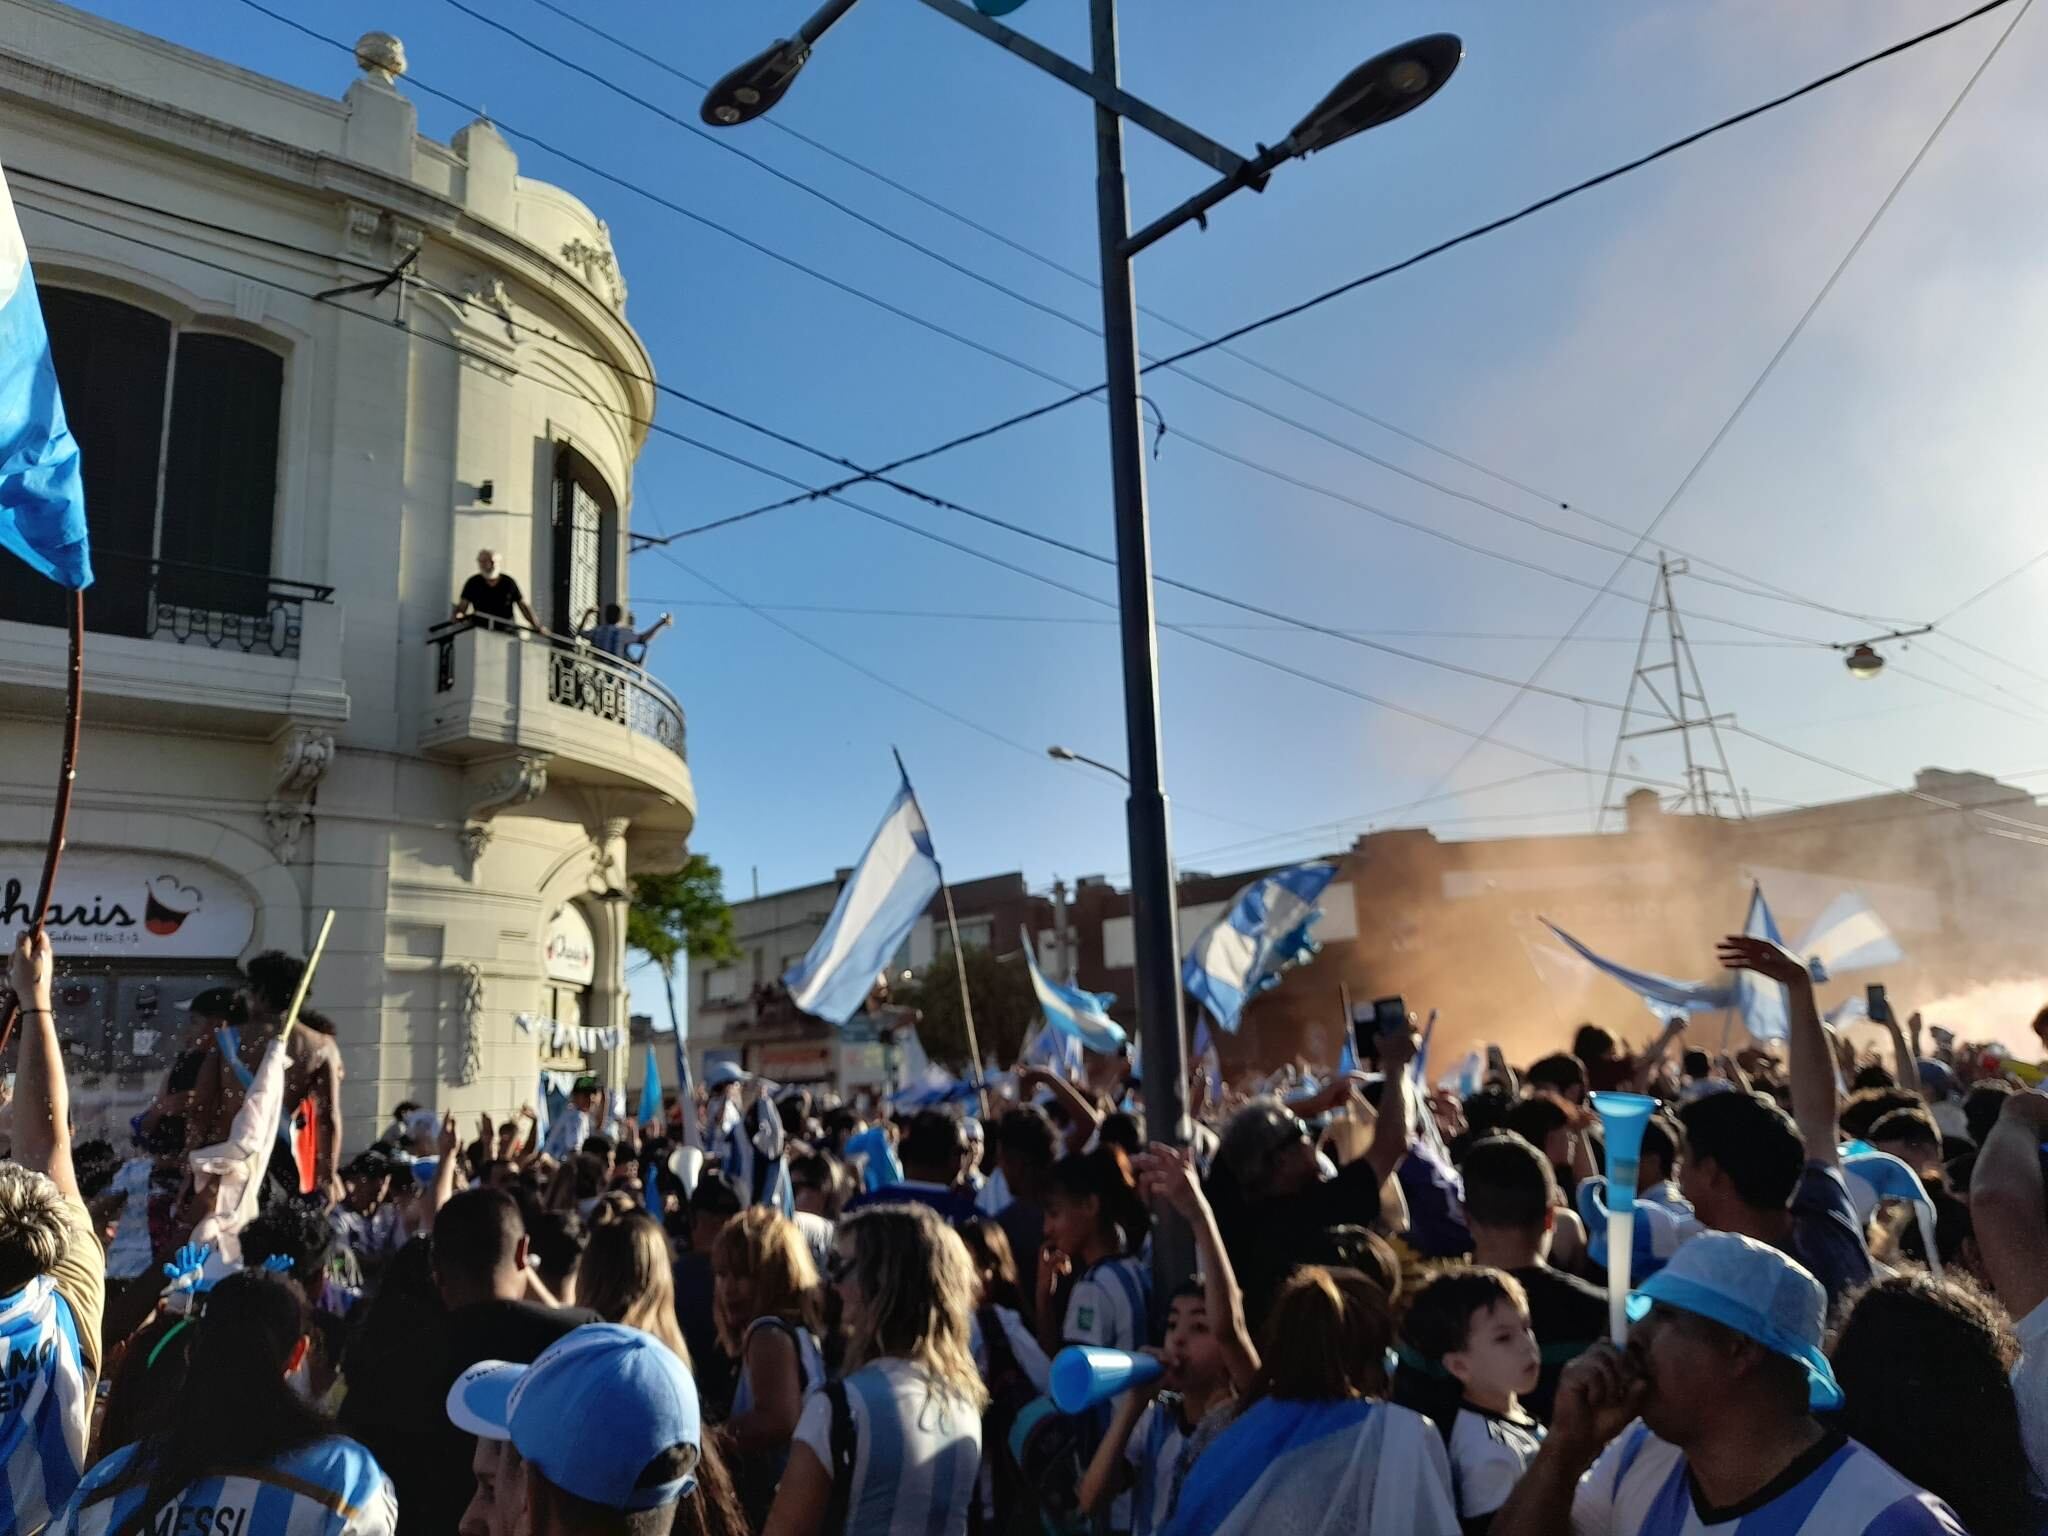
[292, 458]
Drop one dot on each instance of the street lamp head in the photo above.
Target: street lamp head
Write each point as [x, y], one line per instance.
[1059, 754]
[1864, 662]
[1379, 90]
[745, 93]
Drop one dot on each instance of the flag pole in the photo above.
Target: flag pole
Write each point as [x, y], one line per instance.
[1344, 1017]
[959, 964]
[306, 978]
[60, 822]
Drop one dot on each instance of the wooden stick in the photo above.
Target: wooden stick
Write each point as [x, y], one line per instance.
[60, 822]
[306, 981]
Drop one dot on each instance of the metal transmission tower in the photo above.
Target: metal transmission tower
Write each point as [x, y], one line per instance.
[1666, 697]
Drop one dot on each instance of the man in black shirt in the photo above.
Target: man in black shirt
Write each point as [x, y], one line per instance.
[491, 595]
[1510, 1203]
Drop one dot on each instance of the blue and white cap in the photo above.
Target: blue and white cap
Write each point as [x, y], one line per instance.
[1754, 1289]
[547, 1411]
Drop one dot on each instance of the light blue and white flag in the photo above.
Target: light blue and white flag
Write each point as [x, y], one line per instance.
[1661, 992]
[1765, 1010]
[650, 1091]
[1265, 928]
[1848, 936]
[1320, 1469]
[1071, 1011]
[1347, 1056]
[42, 494]
[896, 880]
[686, 1087]
[1056, 1051]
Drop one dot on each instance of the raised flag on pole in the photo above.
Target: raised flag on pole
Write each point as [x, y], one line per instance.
[1082, 1015]
[650, 1091]
[1848, 936]
[882, 901]
[239, 1162]
[42, 494]
[1765, 1009]
[1265, 928]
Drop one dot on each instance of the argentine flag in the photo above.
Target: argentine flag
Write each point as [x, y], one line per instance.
[1264, 929]
[1083, 1016]
[897, 878]
[42, 497]
[1848, 936]
[1662, 993]
[650, 1091]
[1761, 1001]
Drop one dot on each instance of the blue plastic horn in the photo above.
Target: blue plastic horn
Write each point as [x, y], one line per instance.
[1083, 1375]
[1623, 1117]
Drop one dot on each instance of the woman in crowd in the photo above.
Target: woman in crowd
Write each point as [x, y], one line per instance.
[253, 1456]
[904, 1427]
[1094, 1225]
[765, 1304]
[1922, 1362]
[627, 1277]
[1316, 1450]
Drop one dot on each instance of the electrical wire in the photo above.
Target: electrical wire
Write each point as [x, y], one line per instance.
[1985, 591]
[1769, 368]
[2028, 831]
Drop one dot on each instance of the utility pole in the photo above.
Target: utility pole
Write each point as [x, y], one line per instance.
[1062, 935]
[1667, 697]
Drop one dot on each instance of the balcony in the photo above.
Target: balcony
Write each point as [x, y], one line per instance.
[601, 723]
[179, 643]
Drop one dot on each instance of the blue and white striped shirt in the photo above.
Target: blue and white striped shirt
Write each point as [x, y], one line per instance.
[45, 1405]
[1640, 1486]
[332, 1487]
[917, 1449]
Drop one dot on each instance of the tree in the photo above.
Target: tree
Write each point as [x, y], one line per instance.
[681, 913]
[1005, 1007]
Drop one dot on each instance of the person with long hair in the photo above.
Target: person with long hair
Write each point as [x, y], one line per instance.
[1316, 1450]
[765, 1304]
[1095, 1222]
[252, 1456]
[903, 1429]
[1919, 1360]
[626, 1277]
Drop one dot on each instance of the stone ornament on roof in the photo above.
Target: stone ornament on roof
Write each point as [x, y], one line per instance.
[380, 56]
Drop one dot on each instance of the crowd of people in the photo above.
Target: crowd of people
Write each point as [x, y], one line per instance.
[769, 1313]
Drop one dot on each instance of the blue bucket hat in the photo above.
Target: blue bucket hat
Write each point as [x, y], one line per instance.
[1754, 1289]
[548, 1410]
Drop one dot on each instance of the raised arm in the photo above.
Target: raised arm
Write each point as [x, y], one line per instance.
[2007, 1204]
[1390, 1137]
[1086, 1118]
[1809, 1063]
[42, 1097]
[1906, 1062]
[444, 1175]
[1650, 1060]
[1168, 1175]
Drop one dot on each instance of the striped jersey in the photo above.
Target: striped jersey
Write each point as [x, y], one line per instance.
[1489, 1454]
[916, 1450]
[810, 1361]
[1640, 1486]
[1162, 1447]
[1107, 1307]
[45, 1405]
[332, 1487]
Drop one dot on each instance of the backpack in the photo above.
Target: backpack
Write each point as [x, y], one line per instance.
[1010, 1394]
[842, 1461]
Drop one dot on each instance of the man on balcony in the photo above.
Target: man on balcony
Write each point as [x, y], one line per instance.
[615, 637]
[491, 595]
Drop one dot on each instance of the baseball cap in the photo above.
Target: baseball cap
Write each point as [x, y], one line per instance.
[545, 1410]
[719, 1073]
[1756, 1290]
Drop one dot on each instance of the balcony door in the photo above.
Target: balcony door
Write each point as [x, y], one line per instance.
[178, 431]
[585, 517]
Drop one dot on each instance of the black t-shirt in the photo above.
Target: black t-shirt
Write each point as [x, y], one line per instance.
[1569, 1316]
[492, 599]
[1267, 1238]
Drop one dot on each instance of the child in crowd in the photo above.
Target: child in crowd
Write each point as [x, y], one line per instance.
[1472, 1351]
[1094, 1225]
[1158, 1430]
[765, 1304]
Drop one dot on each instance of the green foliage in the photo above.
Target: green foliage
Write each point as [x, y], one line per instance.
[1005, 1007]
[682, 913]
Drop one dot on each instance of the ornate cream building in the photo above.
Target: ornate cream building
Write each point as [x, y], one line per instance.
[288, 486]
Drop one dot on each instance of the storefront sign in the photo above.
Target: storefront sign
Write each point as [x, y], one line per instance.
[123, 906]
[571, 953]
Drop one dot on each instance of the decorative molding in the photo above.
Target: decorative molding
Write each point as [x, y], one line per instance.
[405, 236]
[359, 225]
[488, 292]
[380, 56]
[252, 301]
[304, 756]
[599, 265]
[514, 782]
[470, 976]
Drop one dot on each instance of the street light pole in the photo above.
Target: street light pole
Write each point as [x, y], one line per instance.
[1155, 919]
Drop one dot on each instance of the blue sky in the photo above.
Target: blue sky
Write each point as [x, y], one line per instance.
[1891, 466]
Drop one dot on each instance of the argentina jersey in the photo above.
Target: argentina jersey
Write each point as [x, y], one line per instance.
[45, 1406]
[332, 1487]
[916, 1451]
[1108, 1307]
[1640, 1487]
